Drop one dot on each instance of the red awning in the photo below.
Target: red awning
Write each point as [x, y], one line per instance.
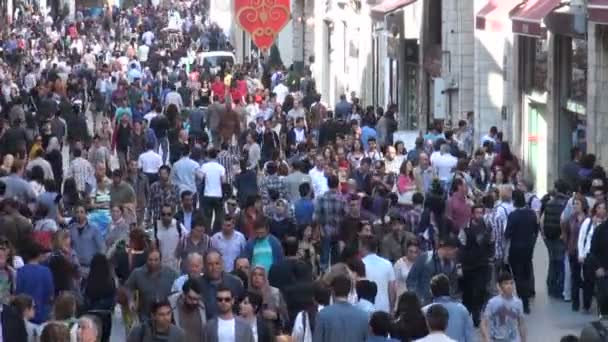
[598, 11]
[387, 6]
[494, 15]
[528, 17]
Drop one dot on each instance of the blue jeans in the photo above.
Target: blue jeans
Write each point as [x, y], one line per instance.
[555, 274]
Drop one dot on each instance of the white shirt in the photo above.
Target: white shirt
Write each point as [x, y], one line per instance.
[173, 97]
[168, 239]
[142, 52]
[436, 337]
[584, 237]
[380, 271]
[148, 117]
[487, 137]
[301, 333]
[213, 172]
[149, 162]
[230, 248]
[319, 181]
[300, 135]
[443, 164]
[148, 37]
[282, 91]
[226, 330]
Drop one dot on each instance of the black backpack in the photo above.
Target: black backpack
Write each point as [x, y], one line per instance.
[552, 217]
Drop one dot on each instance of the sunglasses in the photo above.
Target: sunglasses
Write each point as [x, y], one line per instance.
[223, 299]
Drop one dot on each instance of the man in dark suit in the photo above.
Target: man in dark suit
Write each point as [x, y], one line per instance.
[13, 326]
[226, 327]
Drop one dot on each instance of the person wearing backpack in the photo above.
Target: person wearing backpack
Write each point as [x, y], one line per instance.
[167, 236]
[597, 331]
[552, 235]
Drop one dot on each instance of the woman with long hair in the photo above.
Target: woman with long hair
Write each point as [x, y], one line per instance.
[55, 158]
[205, 93]
[99, 288]
[400, 148]
[63, 263]
[250, 311]
[71, 197]
[24, 305]
[409, 323]
[357, 153]
[304, 323]
[406, 185]
[128, 256]
[105, 133]
[99, 201]
[274, 308]
[507, 161]
[36, 177]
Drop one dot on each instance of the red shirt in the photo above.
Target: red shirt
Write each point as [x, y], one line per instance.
[219, 89]
[241, 85]
[72, 32]
[458, 210]
[236, 95]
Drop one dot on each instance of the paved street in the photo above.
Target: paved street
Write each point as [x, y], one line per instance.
[550, 319]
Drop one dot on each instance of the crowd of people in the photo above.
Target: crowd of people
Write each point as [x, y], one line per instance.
[233, 204]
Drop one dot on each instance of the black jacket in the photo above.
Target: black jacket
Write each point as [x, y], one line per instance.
[552, 214]
[598, 253]
[522, 230]
[478, 246]
[265, 333]
[13, 326]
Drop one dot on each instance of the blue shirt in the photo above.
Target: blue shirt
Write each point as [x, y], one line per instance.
[36, 281]
[460, 323]
[183, 174]
[303, 211]
[366, 133]
[86, 242]
[262, 254]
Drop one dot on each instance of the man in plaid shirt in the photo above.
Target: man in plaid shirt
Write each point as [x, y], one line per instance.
[496, 217]
[228, 158]
[272, 181]
[330, 209]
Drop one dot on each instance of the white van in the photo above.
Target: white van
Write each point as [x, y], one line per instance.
[216, 59]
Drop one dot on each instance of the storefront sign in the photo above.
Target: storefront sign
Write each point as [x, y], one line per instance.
[576, 107]
[263, 19]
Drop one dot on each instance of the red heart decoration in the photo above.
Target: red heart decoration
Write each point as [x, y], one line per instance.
[263, 19]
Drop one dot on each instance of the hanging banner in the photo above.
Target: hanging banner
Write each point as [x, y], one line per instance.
[263, 19]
